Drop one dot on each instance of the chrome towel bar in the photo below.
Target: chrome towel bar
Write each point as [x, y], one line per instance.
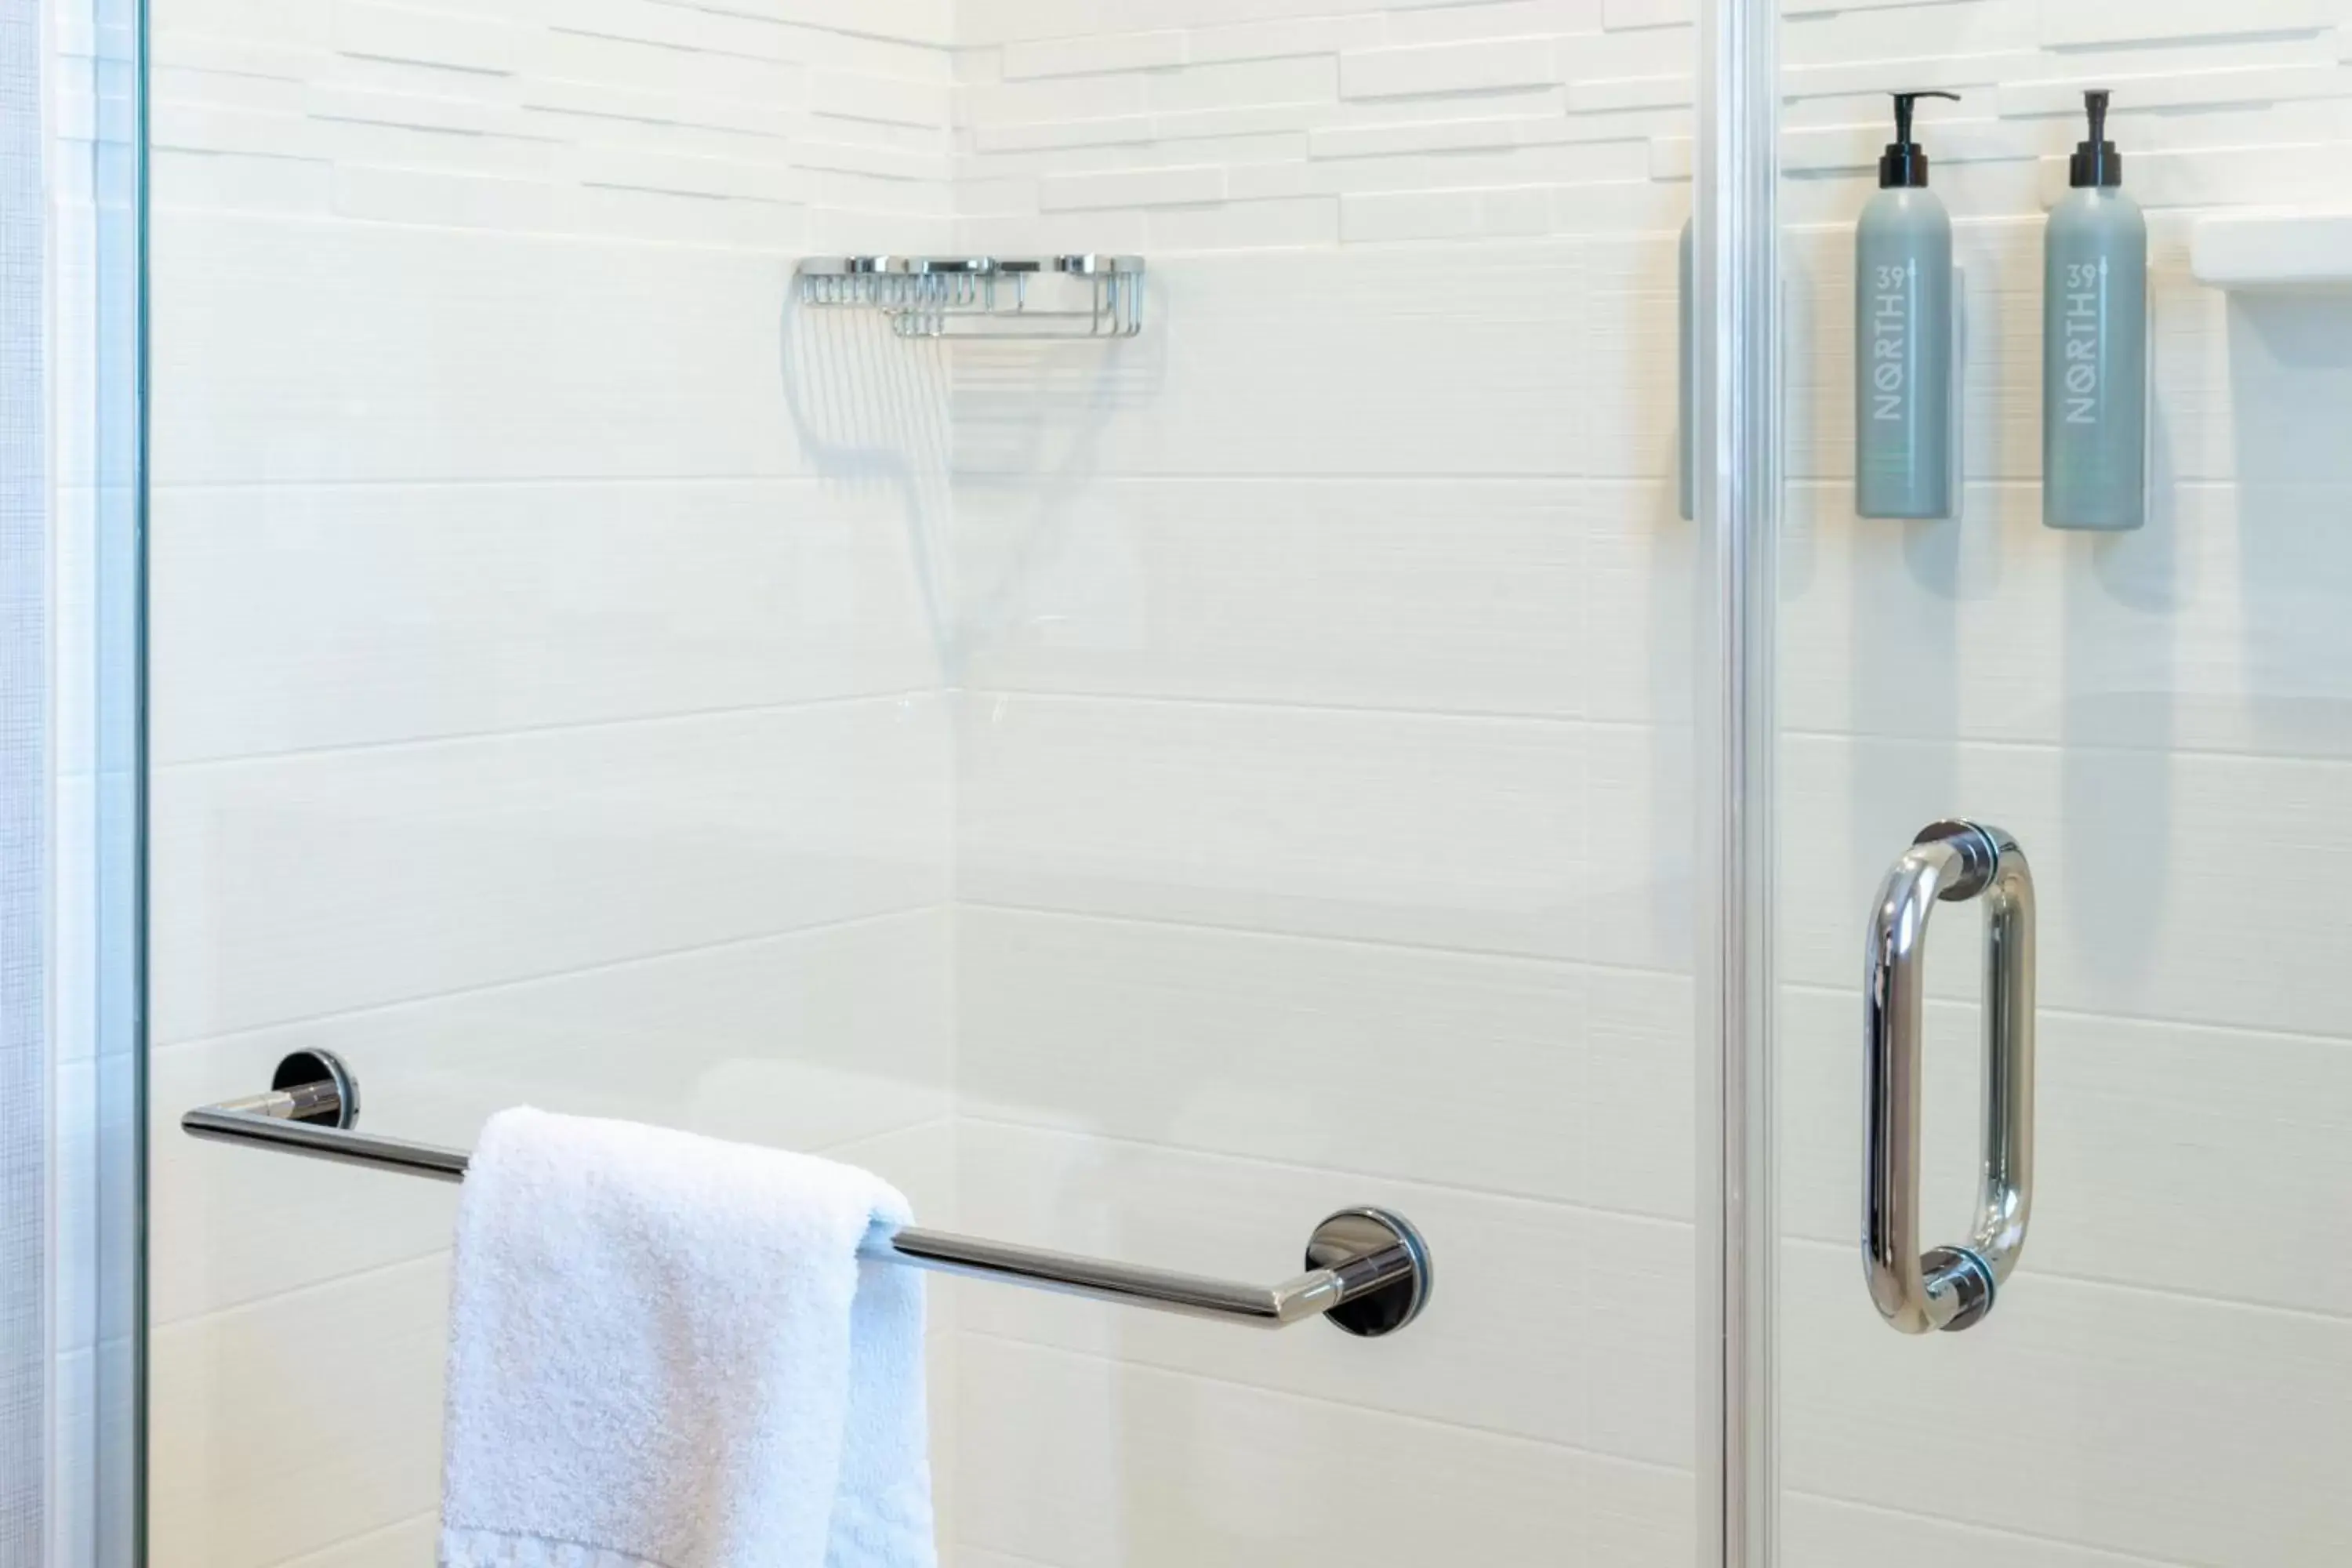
[1368, 1270]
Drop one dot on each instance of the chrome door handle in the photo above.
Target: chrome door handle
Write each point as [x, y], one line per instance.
[1951, 1287]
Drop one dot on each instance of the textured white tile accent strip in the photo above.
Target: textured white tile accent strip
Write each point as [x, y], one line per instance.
[2069, 22]
[1272, 40]
[1450, 67]
[1089, 56]
[1132, 188]
[2253, 86]
[1375, 141]
[435, 37]
[1373, 217]
[1647, 13]
[923, 106]
[1630, 93]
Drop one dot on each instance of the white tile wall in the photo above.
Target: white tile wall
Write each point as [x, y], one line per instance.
[456, 609]
[1255, 1045]
[2160, 718]
[1207, 1469]
[302, 886]
[1329, 592]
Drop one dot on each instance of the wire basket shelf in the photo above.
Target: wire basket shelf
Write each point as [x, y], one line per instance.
[1003, 297]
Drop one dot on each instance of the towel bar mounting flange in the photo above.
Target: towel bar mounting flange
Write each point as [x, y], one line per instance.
[1368, 1270]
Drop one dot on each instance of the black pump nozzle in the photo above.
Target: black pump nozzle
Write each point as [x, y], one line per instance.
[1904, 163]
[2095, 161]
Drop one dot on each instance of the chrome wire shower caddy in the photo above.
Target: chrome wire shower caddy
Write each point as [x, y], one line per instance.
[1016, 297]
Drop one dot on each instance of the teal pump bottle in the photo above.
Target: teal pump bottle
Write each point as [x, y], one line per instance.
[2095, 345]
[1904, 462]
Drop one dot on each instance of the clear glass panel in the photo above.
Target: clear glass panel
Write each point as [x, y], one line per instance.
[2159, 717]
[89, 891]
[1139, 797]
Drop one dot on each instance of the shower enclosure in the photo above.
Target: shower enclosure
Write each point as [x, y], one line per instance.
[1182, 699]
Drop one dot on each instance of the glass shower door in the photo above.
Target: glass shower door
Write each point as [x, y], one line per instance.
[1139, 797]
[2158, 719]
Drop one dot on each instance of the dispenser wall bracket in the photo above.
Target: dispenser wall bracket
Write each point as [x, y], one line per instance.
[1007, 296]
[2290, 252]
[1958, 499]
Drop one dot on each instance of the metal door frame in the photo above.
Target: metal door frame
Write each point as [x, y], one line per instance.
[1736, 313]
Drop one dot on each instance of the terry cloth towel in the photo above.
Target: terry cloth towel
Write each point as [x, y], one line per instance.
[666, 1353]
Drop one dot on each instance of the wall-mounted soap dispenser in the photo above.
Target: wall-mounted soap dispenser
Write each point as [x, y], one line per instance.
[1905, 464]
[2095, 345]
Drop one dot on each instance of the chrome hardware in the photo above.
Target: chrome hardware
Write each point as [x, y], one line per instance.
[313, 1087]
[1368, 1270]
[1951, 1287]
[1356, 1247]
[1020, 297]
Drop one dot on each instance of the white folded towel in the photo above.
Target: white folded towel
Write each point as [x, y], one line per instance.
[664, 1353]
